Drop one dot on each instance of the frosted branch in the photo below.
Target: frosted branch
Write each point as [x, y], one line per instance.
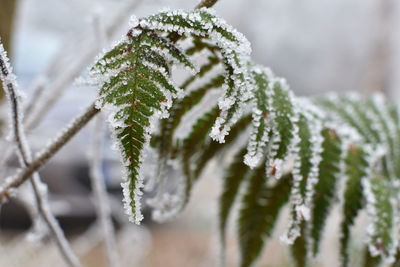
[73, 128]
[18, 134]
[206, 3]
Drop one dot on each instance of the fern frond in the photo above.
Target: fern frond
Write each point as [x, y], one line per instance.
[135, 80]
[180, 108]
[192, 143]
[357, 168]
[305, 171]
[137, 86]
[383, 227]
[299, 249]
[165, 140]
[325, 187]
[262, 120]
[324, 141]
[259, 212]
[211, 149]
[235, 175]
[198, 148]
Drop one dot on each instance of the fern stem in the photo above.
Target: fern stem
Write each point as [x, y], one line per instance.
[39, 188]
[73, 128]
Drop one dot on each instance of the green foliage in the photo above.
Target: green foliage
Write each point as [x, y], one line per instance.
[326, 187]
[356, 170]
[300, 247]
[382, 231]
[260, 208]
[235, 175]
[297, 150]
[137, 90]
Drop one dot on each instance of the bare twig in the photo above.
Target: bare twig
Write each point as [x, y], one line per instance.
[206, 3]
[40, 189]
[74, 127]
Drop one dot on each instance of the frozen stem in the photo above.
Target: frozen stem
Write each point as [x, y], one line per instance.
[18, 134]
[73, 128]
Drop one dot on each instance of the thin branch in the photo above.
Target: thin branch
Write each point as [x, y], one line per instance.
[40, 189]
[73, 128]
[206, 3]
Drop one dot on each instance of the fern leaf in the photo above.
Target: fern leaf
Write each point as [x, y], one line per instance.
[356, 169]
[137, 86]
[325, 187]
[180, 108]
[284, 134]
[261, 125]
[388, 129]
[299, 248]
[191, 143]
[211, 149]
[382, 230]
[259, 212]
[198, 148]
[235, 174]
[165, 142]
[305, 172]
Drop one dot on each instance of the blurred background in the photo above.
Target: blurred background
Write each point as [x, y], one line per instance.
[317, 45]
